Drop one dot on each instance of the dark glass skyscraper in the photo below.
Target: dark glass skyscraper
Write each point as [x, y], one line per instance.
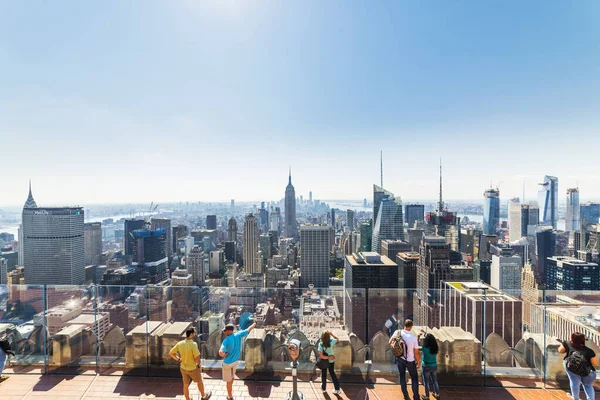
[379, 194]
[491, 211]
[211, 222]
[414, 213]
[545, 247]
[590, 212]
[548, 201]
[291, 224]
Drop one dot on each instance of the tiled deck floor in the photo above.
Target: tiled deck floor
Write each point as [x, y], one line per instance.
[91, 387]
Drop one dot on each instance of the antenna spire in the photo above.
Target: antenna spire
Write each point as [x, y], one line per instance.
[381, 166]
[441, 203]
[290, 179]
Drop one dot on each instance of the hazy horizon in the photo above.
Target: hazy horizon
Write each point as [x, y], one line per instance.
[210, 100]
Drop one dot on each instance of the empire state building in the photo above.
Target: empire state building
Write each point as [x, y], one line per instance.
[291, 225]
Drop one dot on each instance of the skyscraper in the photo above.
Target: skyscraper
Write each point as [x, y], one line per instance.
[252, 261]
[315, 245]
[545, 248]
[53, 244]
[522, 219]
[548, 201]
[211, 222]
[514, 220]
[366, 235]
[491, 211]
[573, 217]
[92, 243]
[379, 194]
[291, 224]
[232, 230]
[165, 223]
[350, 219]
[129, 240]
[433, 268]
[590, 212]
[566, 273]
[390, 223]
[194, 263]
[414, 213]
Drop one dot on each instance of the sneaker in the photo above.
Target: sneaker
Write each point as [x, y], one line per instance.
[324, 390]
[337, 391]
[423, 397]
[206, 396]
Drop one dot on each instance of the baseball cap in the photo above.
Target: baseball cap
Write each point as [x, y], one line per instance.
[229, 327]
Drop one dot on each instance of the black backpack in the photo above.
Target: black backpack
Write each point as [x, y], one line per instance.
[578, 364]
[5, 346]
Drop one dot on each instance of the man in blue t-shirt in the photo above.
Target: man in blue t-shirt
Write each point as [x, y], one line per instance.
[231, 348]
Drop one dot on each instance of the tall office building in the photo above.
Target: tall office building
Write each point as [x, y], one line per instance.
[129, 240]
[263, 217]
[366, 302]
[433, 268]
[491, 211]
[379, 194]
[390, 223]
[350, 219]
[252, 259]
[572, 219]
[315, 246]
[165, 223]
[366, 235]
[291, 224]
[92, 243]
[390, 248]
[232, 230]
[195, 263]
[3, 272]
[332, 220]
[545, 248]
[506, 272]
[522, 220]
[211, 222]
[548, 201]
[414, 213]
[275, 221]
[590, 212]
[567, 273]
[53, 246]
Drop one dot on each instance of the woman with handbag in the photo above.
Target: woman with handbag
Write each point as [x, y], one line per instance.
[327, 361]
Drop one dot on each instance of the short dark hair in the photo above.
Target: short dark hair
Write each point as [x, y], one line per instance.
[189, 332]
[408, 323]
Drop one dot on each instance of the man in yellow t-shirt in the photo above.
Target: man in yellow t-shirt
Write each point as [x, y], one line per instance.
[186, 353]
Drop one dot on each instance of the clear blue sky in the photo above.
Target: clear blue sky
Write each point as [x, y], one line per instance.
[118, 101]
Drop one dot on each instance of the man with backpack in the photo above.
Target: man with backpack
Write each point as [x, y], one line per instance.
[579, 362]
[391, 324]
[405, 347]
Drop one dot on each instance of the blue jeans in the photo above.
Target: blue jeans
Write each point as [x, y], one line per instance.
[576, 381]
[430, 380]
[3, 357]
[403, 365]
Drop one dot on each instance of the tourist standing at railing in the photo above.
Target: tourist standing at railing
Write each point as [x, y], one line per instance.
[326, 352]
[186, 353]
[579, 362]
[409, 359]
[429, 352]
[391, 324]
[231, 350]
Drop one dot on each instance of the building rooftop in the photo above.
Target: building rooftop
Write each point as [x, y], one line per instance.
[369, 258]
